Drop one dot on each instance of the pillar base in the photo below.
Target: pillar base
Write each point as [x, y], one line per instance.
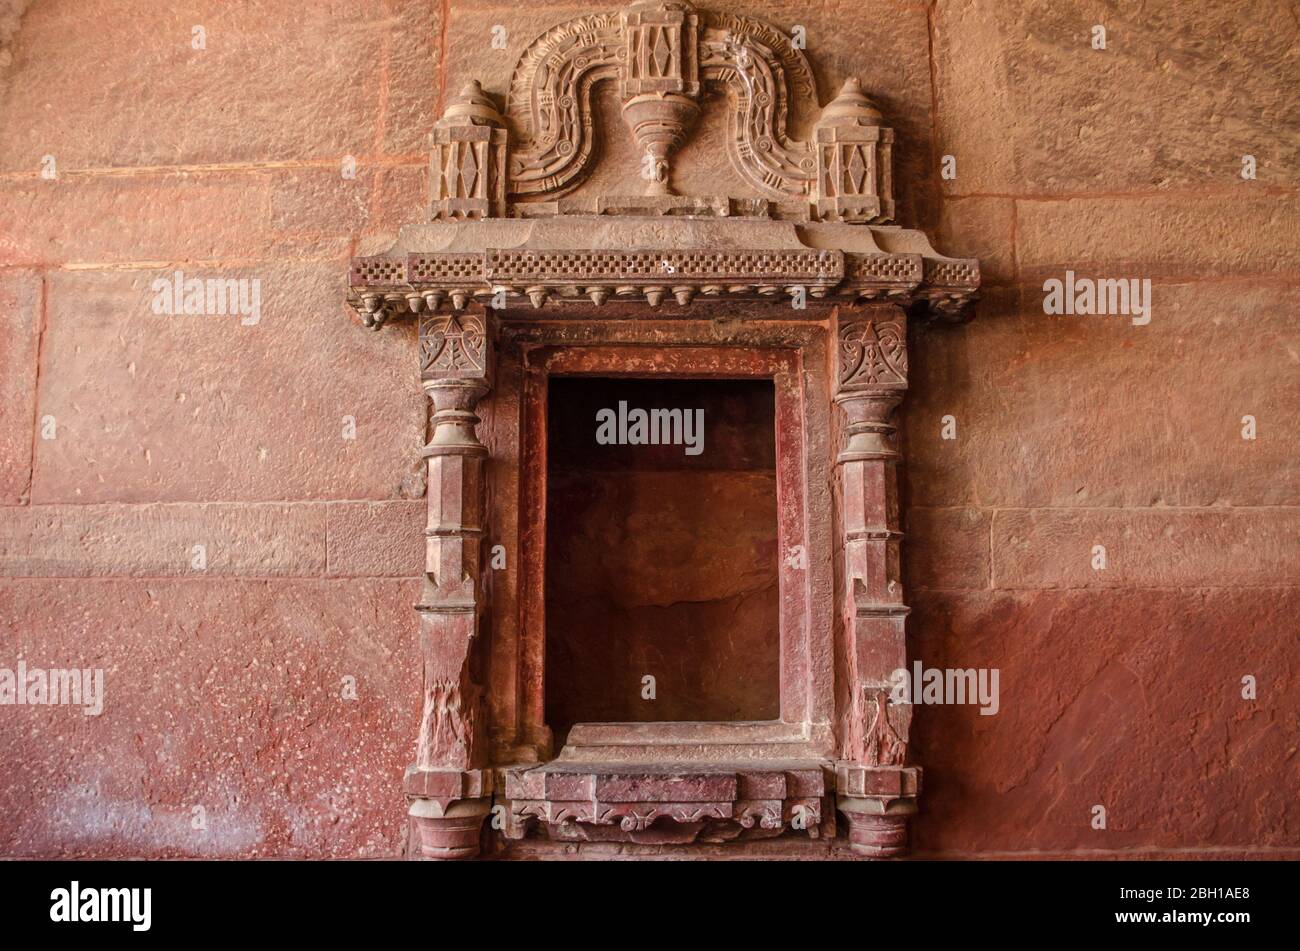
[443, 834]
[877, 837]
[877, 827]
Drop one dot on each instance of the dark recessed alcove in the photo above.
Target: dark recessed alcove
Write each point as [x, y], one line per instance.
[660, 562]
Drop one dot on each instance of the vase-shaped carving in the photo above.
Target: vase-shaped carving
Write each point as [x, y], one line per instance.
[659, 122]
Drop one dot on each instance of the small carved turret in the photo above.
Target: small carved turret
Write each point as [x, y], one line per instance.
[468, 158]
[854, 159]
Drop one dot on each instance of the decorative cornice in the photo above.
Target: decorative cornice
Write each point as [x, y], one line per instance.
[511, 262]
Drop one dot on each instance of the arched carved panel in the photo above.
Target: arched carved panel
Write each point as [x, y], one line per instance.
[758, 69]
[549, 102]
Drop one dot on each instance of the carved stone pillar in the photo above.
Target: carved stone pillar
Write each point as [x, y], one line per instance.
[876, 791]
[448, 784]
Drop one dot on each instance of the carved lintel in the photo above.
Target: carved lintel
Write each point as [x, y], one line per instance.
[710, 261]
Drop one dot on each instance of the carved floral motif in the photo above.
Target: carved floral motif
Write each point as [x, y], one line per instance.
[872, 352]
[452, 344]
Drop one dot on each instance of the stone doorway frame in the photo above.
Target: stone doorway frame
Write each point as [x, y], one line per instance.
[803, 567]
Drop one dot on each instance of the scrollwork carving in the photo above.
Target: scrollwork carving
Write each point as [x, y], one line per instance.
[756, 66]
[662, 52]
[550, 102]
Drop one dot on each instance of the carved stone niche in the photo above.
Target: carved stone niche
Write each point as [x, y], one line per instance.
[521, 278]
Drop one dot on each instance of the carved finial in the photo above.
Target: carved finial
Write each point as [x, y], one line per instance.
[850, 107]
[472, 106]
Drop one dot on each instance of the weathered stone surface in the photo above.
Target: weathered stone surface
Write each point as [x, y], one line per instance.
[400, 196]
[373, 539]
[981, 228]
[946, 548]
[1093, 411]
[414, 68]
[221, 215]
[1145, 548]
[1176, 98]
[220, 695]
[276, 81]
[152, 540]
[1126, 699]
[1164, 238]
[153, 407]
[20, 302]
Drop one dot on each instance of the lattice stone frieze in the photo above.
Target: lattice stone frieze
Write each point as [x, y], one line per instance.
[445, 268]
[582, 266]
[377, 271]
[387, 286]
[952, 273]
[867, 268]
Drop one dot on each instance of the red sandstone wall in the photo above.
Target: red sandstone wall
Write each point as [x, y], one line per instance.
[1119, 687]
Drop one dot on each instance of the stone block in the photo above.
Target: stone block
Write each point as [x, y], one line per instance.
[225, 701]
[21, 299]
[156, 407]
